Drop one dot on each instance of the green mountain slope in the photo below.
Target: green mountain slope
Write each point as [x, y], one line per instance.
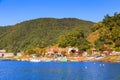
[40, 32]
[108, 32]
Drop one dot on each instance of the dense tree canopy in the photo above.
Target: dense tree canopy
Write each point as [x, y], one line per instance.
[41, 32]
[65, 32]
[74, 38]
[109, 30]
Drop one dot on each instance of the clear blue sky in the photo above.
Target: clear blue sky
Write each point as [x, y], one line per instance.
[15, 11]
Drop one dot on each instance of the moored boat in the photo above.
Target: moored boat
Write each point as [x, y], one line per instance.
[35, 60]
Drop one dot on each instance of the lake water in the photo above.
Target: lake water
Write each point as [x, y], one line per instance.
[17, 70]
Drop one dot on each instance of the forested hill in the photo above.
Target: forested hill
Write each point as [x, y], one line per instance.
[106, 34]
[40, 32]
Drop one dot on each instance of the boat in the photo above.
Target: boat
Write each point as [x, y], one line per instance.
[35, 60]
[62, 59]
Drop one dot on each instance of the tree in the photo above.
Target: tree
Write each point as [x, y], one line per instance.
[74, 38]
[83, 44]
[109, 31]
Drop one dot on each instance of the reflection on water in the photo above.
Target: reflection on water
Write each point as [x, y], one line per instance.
[16, 70]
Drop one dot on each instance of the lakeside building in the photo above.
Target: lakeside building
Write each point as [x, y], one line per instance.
[4, 54]
[114, 53]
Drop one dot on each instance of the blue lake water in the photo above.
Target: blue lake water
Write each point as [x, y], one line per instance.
[17, 70]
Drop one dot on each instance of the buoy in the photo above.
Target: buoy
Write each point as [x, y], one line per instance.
[94, 63]
[100, 64]
[103, 64]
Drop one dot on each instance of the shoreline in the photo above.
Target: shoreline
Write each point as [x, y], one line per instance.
[60, 61]
[109, 59]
